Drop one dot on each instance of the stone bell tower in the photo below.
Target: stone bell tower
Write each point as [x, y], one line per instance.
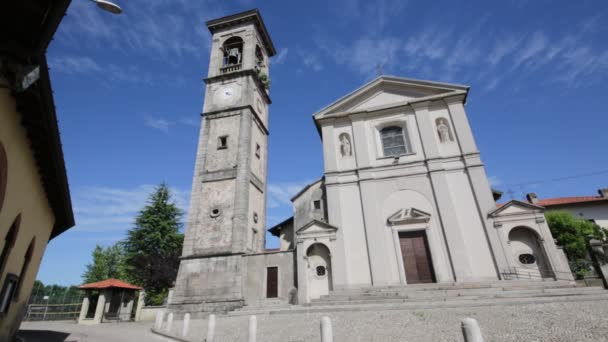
[227, 215]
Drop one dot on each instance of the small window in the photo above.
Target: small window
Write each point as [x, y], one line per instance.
[255, 217]
[25, 267]
[222, 142]
[257, 150]
[317, 204]
[394, 141]
[9, 242]
[527, 259]
[3, 174]
[215, 212]
[321, 271]
[8, 291]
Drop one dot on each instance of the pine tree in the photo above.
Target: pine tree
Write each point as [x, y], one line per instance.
[154, 245]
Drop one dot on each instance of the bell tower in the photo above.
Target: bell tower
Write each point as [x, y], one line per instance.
[227, 215]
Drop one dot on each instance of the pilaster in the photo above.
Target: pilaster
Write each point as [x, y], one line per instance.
[427, 132]
[462, 128]
[452, 231]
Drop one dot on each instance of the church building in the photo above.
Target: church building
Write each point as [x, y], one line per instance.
[404, 198]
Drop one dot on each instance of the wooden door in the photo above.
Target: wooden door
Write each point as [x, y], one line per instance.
[416, 257]
[272, 282]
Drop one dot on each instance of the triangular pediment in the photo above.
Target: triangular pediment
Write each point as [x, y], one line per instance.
[389, 91]
[315, 227]
[515, 207]
[408, 216]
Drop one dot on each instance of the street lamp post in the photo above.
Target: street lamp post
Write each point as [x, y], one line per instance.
[108, 6]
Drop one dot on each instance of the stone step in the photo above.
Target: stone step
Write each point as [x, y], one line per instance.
[450, 293]
[463, 302]
[514, 284]
[471, 297]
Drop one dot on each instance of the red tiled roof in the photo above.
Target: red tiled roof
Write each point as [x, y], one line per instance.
[108, 283]
[547, 202]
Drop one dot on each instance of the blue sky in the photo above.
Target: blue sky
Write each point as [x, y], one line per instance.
[128, 91]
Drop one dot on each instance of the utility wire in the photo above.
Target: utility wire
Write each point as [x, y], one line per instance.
[582, 175]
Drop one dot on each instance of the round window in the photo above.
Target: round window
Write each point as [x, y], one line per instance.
[321, 271]
[527, 259]
[215, 212]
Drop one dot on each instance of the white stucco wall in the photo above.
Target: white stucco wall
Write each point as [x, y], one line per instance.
[588, 211]
[24, 196]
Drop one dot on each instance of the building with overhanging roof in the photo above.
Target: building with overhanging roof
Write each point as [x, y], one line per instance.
[35, 203]
[108, 300]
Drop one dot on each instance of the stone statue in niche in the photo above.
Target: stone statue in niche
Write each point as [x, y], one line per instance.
[445, 135]
[345, 146]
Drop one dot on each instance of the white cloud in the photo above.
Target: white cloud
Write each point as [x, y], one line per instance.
[534, 45]
[280, 57]
[74, 65]
[280, 194]
[503, 47]
[160, 124]
[158, 30]
[495, 181]
[102, 209]
[189, 121]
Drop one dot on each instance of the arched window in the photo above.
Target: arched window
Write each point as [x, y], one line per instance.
[26, 263]
[9, 242]
[394, 141]
[3, 174]
[259, 57]
[233, 51]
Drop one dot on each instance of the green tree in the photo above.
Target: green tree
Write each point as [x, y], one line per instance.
[154, 245]
[573, 234]
[107, 263]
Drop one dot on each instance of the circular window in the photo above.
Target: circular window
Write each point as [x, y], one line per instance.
[215, 212]
[527, 259]
[321, 271]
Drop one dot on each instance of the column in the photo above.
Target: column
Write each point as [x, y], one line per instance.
[101, 305]
[84, 308]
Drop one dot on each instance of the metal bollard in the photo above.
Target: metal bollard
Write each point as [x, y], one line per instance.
[211, 329]
[160, 316]
[169, 322]
[326, 331]
[186, 327]
[471, 330]
[253, 328]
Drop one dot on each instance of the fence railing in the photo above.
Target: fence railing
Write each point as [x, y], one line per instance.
[52, 312]
[521, 273]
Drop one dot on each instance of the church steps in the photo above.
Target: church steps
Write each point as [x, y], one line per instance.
[455, 302]
[455, 297]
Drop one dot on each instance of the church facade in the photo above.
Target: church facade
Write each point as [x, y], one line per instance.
[404, 198]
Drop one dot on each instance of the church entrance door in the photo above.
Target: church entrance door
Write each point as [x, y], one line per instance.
[416, 257]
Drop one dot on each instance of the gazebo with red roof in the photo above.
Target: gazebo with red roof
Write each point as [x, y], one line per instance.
[109, 299]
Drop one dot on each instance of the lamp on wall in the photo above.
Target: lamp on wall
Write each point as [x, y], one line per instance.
[108, 6]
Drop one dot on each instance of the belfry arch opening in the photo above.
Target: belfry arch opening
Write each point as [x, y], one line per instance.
[233, 52]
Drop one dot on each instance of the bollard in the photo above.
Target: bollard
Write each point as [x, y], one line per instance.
[471, 330]
[253, 328]
[211, 329]
[326, 331]
[159, 320]
[169, 322]
[186, 325]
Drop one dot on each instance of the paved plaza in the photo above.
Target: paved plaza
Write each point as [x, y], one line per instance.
[67, 331]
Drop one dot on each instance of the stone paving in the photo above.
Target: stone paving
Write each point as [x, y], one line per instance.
[559, 321]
